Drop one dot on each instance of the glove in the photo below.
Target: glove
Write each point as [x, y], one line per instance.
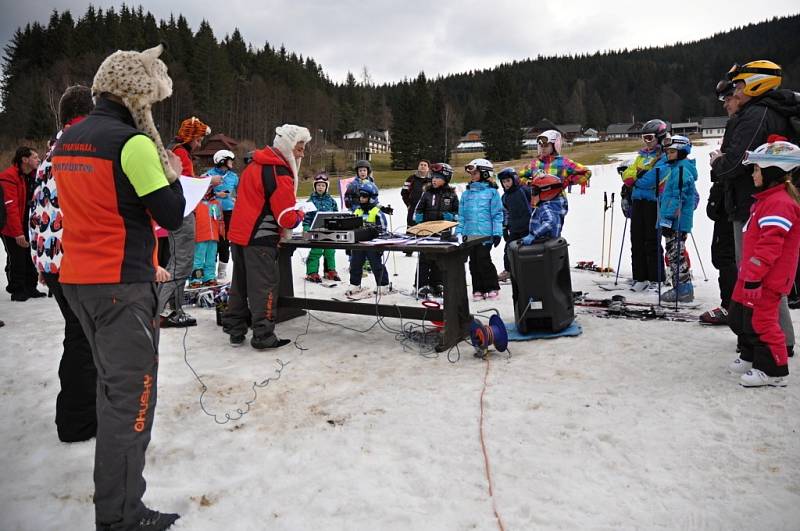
[665, 223]
[752, 290]
[626, 207]
[506, 235]
[714, 155]
[496, 241]
[448, 216]
[388, 210]
[527, 240]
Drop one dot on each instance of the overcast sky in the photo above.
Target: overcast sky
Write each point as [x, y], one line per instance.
[398, 39]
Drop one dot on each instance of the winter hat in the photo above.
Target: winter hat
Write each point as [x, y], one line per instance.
[553, 137]
[76, 101]
[192, 128]
[286, 137]
[139, 79]
[776, 152]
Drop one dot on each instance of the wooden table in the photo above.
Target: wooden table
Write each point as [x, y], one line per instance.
[449, 258]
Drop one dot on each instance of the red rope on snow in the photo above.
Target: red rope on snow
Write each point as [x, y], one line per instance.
[487, 467]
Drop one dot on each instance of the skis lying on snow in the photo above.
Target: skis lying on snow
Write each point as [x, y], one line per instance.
[618, 308]
[592, 267]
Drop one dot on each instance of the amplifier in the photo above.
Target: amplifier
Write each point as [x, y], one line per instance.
[342, 236]
[344, 223]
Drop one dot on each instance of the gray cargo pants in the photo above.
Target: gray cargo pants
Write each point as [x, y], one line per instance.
[119, 321]
[254, 291]
[181, 248]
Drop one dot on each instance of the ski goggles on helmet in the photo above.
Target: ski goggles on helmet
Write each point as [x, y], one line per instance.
[542, 141]
[724, 89]
[648, 137]
[440, 169]
[737, 70]
[470, 167]
[668, 141]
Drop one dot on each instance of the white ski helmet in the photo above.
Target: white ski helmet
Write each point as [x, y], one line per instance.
[553, 137]
[222, 155]
[484, 166]
[778, 153]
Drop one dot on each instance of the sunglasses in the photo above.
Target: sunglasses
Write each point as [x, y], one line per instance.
[649, 137]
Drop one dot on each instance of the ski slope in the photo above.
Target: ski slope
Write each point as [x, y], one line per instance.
[632, 425]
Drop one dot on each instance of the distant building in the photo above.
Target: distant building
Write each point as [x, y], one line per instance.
[589, 135]
[620, 131]
[685, 128]
[364, 142]
[569, 131]
[471, 142]
[205, 155]
[533, 131]
[713, 127]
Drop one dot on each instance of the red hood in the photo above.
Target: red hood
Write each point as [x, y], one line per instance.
[270, 156]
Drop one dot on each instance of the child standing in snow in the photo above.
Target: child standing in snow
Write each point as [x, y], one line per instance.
[480, 213]
[370, 211]
[226, 194]
[209, 225]
[516, 213]
[770, 246]
[677, 198]
[323, 202]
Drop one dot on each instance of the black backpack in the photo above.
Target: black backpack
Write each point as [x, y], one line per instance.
[2, 208]
[787, 103]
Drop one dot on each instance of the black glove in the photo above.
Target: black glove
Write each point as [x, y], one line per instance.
[387, 210]
[496, 240]
[506, 235]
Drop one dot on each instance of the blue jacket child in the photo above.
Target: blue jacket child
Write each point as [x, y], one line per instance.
[549, 211]
[677, 196]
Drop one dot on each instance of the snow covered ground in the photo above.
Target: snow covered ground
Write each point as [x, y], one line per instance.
[633, 425]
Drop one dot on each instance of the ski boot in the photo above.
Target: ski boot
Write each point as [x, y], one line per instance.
[314, 277]
[684, 293]
[717, 316]
[332, 275]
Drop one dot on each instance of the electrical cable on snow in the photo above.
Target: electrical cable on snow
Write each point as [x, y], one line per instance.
[487, 467]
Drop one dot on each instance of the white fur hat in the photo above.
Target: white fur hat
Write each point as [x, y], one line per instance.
[286, 137]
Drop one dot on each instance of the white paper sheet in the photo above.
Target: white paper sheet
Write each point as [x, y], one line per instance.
[194, 188]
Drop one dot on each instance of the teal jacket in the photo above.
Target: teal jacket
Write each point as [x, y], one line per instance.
[480, 211]
[677, 194]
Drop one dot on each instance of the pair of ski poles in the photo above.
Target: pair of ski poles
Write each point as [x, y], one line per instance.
[606, 206]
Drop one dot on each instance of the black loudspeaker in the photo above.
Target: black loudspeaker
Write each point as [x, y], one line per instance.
[542, 286]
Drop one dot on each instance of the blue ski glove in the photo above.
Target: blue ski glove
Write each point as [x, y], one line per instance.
[448, 216]
[527, 240]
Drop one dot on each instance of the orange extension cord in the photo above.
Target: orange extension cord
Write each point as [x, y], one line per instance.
[487, 467]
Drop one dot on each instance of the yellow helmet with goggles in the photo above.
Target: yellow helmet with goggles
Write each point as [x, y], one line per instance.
[758, 76]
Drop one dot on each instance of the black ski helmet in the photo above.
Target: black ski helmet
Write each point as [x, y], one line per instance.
[657, 127]
[363, 164]
[442, 170]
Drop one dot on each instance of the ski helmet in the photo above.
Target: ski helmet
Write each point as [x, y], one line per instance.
[221, 156]
[368, 189]
[485, 167]
[777, 152]
[442, 170]
[758, 76]
[546, 187]
[508, 173]
[321, 177]
[552, 137]
[363, 164]
[679, 143]
[656, 127]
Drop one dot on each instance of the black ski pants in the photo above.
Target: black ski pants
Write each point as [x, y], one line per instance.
[253, 296]
[20, 271]
[119, 321]
[723, 257]
[224, 248]
[482, 270]
[647, 254]
[76, 412]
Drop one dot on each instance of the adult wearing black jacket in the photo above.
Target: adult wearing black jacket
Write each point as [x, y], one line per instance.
[413, 189]
[723, 247]
[438, 202]
[763, 111]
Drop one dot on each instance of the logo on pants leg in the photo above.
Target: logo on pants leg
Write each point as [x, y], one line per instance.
[144, 403]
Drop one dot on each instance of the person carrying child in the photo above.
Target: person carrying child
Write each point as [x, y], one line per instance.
[677, 199]
[516, 213]
[480, 213]
[369, 209]
[209, 226]
[438, 202]
[323, 202]
[770, 247]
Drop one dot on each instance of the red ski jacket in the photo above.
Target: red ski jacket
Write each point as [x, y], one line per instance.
[771, 243]
[15, 192]
[265, 201]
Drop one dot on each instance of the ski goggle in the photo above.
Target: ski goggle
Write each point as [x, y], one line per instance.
[542, 141]
[648, 137]
[724, 89]
[738, 69]
[470, 167]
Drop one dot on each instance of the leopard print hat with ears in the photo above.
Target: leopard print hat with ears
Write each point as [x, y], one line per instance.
[140, 79]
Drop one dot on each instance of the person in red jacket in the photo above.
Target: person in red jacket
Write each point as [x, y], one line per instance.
[181, 242]
[265, 207]
[770, 248]
[16, 182]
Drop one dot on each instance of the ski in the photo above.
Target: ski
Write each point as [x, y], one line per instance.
[204, 288]
[654, 313]
[581, 299]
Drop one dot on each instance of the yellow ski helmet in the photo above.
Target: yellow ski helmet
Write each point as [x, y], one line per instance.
[758, 76]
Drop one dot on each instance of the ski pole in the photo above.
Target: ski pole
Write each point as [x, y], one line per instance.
[610, 234]
[621, 247]
[394, 257]
[603, 247]
[702, 268]
[660, 262]
[678, 258]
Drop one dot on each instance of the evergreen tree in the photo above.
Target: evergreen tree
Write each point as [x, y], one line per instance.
[502, 133]
[403, 131]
